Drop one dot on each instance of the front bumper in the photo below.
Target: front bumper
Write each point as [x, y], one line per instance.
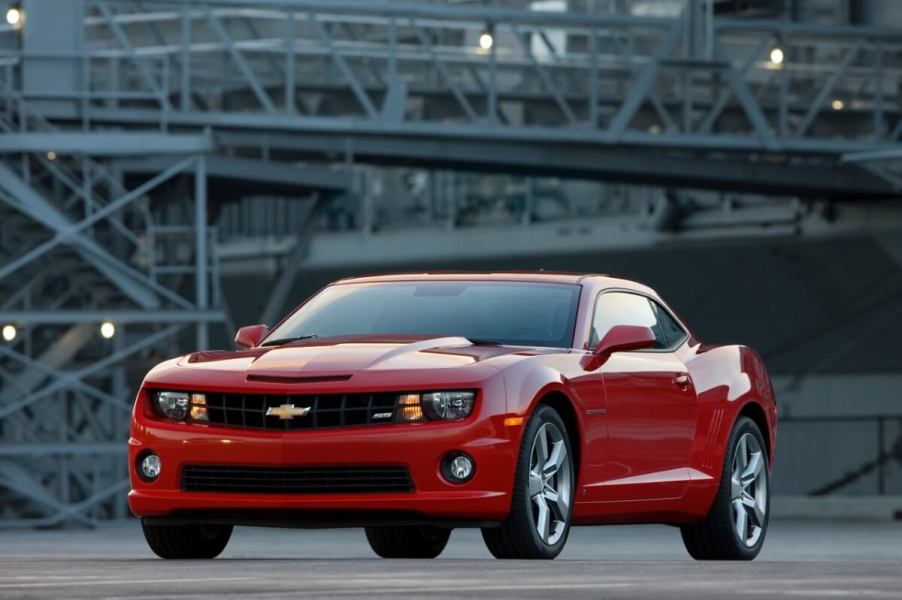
[418, 447]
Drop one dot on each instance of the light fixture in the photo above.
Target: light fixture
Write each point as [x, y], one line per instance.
[199, 408]
[149, 467]
[107, 330]
[838, 104]
[51, 155]
[458, 467]
[15, 17]
[776, 55]
[9, 332]
[411, 410]
[173, 405]
[486, 39]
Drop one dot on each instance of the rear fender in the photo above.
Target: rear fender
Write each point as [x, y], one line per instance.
[729, 380]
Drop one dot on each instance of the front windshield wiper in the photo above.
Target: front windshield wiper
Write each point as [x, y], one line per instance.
[288, 340]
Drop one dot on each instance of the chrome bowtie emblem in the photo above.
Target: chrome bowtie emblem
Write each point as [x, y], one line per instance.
[286, 412]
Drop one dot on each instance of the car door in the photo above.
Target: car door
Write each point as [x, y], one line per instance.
[650, 401]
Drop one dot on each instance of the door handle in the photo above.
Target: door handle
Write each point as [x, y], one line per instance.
[681, 380]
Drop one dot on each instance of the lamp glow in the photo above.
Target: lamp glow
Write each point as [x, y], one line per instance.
[776, 56]
[15, 17]
[51, 155]
[107, 330]
[838, 104]
[9, 332]
[486, 40]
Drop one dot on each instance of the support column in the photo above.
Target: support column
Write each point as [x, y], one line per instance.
[200, 254]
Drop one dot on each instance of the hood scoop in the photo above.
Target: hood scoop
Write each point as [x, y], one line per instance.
[298, 379]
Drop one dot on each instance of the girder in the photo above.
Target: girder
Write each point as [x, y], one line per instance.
[79, 247]
[382, 71]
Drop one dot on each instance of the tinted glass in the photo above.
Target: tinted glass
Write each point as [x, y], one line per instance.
[533, 314]
[672, 331]
[618, 308]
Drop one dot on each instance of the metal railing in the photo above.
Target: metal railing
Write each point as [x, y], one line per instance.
[882, 455]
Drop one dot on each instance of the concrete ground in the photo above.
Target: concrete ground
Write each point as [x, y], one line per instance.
[800, 559]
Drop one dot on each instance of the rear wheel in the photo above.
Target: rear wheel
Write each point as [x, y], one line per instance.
[196, 540]
[539, 522]
[408, 541]
[735, 527]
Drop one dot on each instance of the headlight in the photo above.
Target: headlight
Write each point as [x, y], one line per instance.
[435, 406]
[174, 405]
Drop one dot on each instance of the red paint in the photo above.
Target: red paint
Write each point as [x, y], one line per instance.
[651, 425]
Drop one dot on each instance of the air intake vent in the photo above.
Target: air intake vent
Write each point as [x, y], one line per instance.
[287, 379]
[295, 480]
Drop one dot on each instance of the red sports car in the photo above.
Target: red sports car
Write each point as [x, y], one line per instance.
[520, 403]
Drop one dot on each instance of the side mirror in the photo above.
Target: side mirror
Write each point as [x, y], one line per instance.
[250, 336]
[624, 337]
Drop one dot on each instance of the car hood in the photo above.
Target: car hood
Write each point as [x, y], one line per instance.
[343, 357]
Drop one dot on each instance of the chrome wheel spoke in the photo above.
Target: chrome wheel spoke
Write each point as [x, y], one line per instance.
[753, 469]
[735, 486]
[541, 449]
[748, 490]
[742, 519]
[535, 484]
[556, 504]
[543, 518]
[742, 452]
[550, 484]
[556, 460]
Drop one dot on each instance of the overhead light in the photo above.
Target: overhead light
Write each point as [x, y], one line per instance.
[776, 55]
[15, 17]
[107, 330]
[51, 155]
[9, 332]
[838, 104]
[486, 39]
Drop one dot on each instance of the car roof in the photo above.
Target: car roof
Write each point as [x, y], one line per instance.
[603, 281]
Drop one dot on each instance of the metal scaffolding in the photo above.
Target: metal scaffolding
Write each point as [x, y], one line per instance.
[79, 247]
[775, 103]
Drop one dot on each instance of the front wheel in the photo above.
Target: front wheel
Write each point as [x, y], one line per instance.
[196, 540]
[408, 541]
[735, 527]
[539, 521]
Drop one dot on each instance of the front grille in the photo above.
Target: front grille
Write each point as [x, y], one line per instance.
[295, 480]
[326, 411]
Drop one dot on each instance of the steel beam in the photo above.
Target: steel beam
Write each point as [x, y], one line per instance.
[107, 143]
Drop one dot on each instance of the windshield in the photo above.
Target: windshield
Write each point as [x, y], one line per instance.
[513, 313]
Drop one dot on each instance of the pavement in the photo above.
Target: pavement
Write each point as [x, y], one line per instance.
[800, 559]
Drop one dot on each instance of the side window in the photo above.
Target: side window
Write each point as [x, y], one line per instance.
[672, 331]
[621, 308]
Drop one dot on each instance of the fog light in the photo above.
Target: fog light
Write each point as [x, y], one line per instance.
[458, 467]
[149, 467]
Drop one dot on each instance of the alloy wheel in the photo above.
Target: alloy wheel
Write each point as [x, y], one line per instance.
[550, 483]
[748, 487]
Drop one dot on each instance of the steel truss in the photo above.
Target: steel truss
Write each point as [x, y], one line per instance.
[388, 80]
[79, 247]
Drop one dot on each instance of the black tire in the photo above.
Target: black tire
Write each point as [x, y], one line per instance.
[716, 537]
[408, 541]
[517, 536]
[187, 541]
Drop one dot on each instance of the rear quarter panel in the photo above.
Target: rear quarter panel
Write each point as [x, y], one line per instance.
[730, 381]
